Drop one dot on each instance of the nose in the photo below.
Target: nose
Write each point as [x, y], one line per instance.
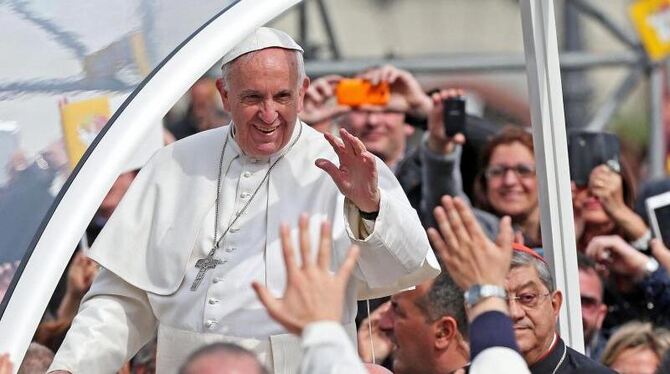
[510, 177]
[374, 118]
[386, 320]
[268, 112]
[515, 311]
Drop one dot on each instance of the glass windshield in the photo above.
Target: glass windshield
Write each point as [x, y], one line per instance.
[66, 67]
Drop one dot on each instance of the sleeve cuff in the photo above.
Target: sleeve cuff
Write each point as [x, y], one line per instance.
[491, 329]
[323, 332]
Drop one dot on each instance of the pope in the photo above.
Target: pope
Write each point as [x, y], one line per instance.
[201, 222]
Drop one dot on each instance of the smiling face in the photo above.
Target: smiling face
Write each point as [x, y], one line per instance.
[383, 133]
[510, 193]
[264, 93]
[534, 325]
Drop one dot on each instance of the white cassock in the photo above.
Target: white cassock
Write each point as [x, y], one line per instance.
[165, 223]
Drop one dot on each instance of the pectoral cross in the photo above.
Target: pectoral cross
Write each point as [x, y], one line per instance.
[204, 264]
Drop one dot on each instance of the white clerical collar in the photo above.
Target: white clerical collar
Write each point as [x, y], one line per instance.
[297, 130]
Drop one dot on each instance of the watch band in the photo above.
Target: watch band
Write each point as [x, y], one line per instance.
[478, 292]
[370, 216]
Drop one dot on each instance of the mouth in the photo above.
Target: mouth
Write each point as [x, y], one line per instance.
[266, 129]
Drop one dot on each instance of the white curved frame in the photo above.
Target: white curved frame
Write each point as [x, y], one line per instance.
[97, 174]
[158, 95]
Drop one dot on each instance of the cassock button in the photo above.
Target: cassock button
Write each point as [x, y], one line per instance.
[244, 195]
[217, 280]
[246, 174]
[212, 301]
[231, 249]
[234, 229]
[210, 324]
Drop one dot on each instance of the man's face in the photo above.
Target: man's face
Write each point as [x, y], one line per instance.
[382, 132]
[263, 95]
[593, 309]
[410, 331]
[534, 314]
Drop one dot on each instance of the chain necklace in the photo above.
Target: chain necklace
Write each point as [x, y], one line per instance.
[209, 262]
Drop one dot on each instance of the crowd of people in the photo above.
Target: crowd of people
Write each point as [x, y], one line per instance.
[493, 308]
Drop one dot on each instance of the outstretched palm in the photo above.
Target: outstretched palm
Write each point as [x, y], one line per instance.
[356, 177]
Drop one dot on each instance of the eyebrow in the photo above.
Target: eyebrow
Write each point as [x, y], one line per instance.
[525, 285]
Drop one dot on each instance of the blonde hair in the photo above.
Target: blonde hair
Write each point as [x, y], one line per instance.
[636, 334]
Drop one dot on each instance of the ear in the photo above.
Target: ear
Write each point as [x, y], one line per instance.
[556, 302]
[602, 313]
[446, 329]
[301, 93]
[220, 86]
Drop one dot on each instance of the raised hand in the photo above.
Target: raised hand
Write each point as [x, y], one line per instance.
[320, 106]
[607, 185]
[612, 253]
[356, 177]
[312, 292]
[5, 364]
[406, 92]
[469, 255]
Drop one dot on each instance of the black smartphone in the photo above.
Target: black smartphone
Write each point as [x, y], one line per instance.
[587, 149]
[454, 115]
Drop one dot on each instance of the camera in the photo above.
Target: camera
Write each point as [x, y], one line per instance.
[587, 149]
[454, 115]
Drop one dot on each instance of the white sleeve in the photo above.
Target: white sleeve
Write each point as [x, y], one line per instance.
[498, 360]
[328, 350]
[114, 321]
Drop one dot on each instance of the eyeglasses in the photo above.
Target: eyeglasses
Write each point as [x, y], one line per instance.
[528, 300]
[499, 171]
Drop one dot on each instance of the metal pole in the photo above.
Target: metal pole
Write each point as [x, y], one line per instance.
[614, 101]
[656, 133]
[328, 26]
[617, 31]
[551, 155]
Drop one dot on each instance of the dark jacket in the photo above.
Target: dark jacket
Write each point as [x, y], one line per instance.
[563, 359]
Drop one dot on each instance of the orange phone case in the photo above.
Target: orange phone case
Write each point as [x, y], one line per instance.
[355, 92]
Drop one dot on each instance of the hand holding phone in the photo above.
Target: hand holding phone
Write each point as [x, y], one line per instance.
[586, 150]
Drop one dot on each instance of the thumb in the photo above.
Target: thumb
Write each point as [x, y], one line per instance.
[505, 234]
[329, 168]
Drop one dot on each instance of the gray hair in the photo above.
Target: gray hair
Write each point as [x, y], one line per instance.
[445, 298]
[300, 65]
[520, 259]
[221, 348]
[37, 359]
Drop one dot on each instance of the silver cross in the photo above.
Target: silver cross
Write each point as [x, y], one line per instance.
[205, 264]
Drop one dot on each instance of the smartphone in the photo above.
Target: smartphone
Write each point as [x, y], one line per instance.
[658, 207]
[356, 92]
[587, 149]
[454, 115]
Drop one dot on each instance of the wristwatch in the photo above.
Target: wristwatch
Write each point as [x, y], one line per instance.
[476, 293]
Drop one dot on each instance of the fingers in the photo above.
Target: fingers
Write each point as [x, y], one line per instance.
[459, 229]
[305, 247]
[287, 250]
[467, 217]
[505, 234]
[325, 244]
[351, 143]
[337, 144]
[348, 266]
